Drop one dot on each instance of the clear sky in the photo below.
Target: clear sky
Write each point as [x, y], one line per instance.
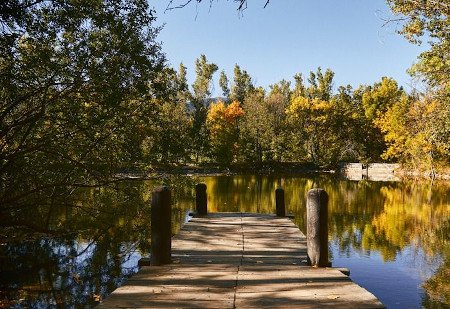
[288, 37]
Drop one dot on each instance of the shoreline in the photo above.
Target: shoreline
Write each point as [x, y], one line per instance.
[398, 174]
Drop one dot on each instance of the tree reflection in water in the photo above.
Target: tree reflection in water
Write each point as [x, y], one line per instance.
[97, 237]
[90, 248]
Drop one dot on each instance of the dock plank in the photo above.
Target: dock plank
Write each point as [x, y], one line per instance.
[239, 260]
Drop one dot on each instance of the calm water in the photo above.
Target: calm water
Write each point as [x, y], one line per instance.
[393, 236]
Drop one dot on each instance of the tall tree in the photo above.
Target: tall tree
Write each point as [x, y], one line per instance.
[299, 87]
[320, 84]
[224, 85]
[256, 129]
[182, 85]
[242, 85]
[201, 93]
[276, 103]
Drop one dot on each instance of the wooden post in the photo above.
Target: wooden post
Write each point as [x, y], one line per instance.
[201, 203]
[317, 227]
[161, 227]
[279, 202]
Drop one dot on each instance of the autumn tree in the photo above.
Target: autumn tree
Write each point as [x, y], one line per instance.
[376, 100]
[414, 133]
[350, 126]
[311, 117]
[223, 126]
[429, 19]
[320, 84]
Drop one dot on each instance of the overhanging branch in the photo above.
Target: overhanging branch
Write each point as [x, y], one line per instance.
[242, 4]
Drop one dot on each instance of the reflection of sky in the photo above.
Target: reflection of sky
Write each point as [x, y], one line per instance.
[398, 283]
[130, 255]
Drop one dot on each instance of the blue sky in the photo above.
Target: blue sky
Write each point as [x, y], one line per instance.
[289, 37]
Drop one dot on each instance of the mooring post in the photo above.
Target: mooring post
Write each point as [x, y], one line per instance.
[317, 227]
[201, 203]
[279, 202]
[161, 229]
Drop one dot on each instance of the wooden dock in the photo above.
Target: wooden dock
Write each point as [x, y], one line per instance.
[239, 260]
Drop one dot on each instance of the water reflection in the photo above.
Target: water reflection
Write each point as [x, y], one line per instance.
[378, 229]
[385, 232]
[93, 244]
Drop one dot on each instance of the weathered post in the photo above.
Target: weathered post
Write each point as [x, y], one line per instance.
[317, 227]
[279, 202]
[161, 229]
[201, 203]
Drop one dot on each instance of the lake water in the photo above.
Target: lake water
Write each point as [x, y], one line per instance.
[393, 236]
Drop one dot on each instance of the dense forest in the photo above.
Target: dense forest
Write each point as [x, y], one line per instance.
[85, 92]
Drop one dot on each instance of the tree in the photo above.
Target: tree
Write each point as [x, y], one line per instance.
[75, 81]
[223, 83]
[167, 137]
[223, 126]
[312, 123]
[242, 85]
[201, 93]
[256, 129]
[299, 87]
[311, 118]
[350, 126]
[377, 99]
[276, 103]
[431, 19]
[394, 123]
[417, 132]
[242, 4]
[182, 85]
[320, 85]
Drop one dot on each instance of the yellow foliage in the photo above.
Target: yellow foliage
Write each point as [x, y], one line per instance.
[233, 112]
[222, 122]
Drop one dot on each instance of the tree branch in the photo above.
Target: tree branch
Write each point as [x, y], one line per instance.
[242, 4]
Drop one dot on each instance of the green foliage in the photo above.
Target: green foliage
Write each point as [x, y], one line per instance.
[168, 137]
[320, 84]
[223, 83]
[242, 85]
[199, 99]
[276, 103]
[202, 85]
[256, 129]
[377, 99]
[75, 82]
[85, 92]
[428, 18]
